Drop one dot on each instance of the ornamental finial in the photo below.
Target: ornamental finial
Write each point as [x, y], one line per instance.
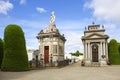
[52, 18]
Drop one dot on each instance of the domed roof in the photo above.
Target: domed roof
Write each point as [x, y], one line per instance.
[51, 28]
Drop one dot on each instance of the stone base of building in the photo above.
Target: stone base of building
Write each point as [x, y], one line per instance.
[103, 63]
[57, 63]
[89, 63]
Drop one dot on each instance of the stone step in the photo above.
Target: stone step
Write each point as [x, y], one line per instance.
[95, 64]
[47, 65]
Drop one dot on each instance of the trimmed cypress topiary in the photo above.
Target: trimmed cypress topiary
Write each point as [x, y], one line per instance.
[113, 52]
[119, 51]
[15, 54]
[1, 51]
[119, 47]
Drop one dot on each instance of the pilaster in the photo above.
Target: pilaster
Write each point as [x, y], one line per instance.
[104, 48]
[86, 51]
[89, 50]
[101, 48]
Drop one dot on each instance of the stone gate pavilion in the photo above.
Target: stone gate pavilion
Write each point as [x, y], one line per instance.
[95, 45]
[51, 46]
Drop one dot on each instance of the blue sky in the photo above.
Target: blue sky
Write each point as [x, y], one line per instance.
[71, 18]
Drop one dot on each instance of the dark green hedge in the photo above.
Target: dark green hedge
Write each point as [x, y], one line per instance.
[113, 52]
[1, 51]
[15, 54]
[119, 50]
[119, 47]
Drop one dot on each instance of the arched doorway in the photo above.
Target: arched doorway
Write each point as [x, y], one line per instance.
[94, 53]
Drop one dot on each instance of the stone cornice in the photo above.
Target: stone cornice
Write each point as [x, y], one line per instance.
[88, 37]
[51, 35]
[99, 30]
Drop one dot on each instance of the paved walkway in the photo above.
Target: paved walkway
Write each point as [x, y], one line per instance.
[72, 72]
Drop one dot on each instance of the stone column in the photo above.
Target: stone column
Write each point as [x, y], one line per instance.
[104, 48]
[86, 50]
[63, 49]
[41, 48]
[89, 50]
[101, 51]
[58, 51]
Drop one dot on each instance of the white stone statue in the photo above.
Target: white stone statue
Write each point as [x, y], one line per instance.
[52, 18]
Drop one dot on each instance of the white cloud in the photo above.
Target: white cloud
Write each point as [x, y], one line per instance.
[73, 30]
[112, 30]
[5, 6]
[22, 1]
[41, 10]
[108, 10]
[73, 42]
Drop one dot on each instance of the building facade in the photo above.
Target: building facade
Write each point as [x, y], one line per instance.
[35, 54]
[95, 45]
[51, 43]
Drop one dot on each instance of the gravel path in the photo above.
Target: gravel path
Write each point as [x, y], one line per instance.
[72, 72]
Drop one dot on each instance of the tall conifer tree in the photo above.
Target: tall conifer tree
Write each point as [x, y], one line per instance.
[113, 52]
[1, 51]
[15, 54]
